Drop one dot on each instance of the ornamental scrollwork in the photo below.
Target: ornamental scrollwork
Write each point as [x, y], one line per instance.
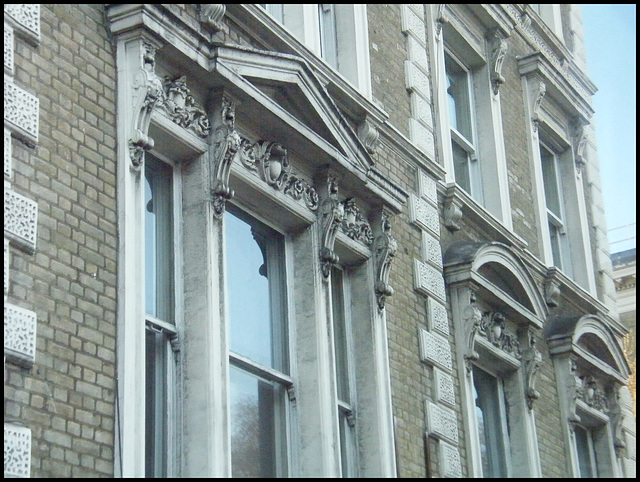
[385, 248]
[539, 89]
[355, 224]
[299, 188]
[574, 385]
[498, 50]
[591, 394]
[493, 328]
[332, 211]
[472, 319]
[147, 92]
[226, 144]
[531, 358]
[182, 108]
[273, 159]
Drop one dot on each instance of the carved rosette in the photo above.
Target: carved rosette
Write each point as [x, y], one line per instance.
[498, 50]
[531, 359]
[332, 211]
[147, 92]
[493, 328]
[354, 223]
[182, 108]
[385, 248]
[226, 143]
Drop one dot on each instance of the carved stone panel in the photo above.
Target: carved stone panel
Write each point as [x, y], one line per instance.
[7, 154]
[27, 18]
[428, 280]
[17, 451]
[449, 460]
[444, 388]
[19, 335]
[413, 24]
[435, 350]
[424, 215]
[437, 318]
[21, 111]
[431, 250]
[427, 188]
[7, 263]
[415, 79]
[8, 50]
[441, 423]
[20, 220]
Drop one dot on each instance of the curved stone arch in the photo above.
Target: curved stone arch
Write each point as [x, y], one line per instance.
[472, 258]
[596, 326]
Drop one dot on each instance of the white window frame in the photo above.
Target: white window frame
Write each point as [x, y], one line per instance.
[551, 15]
[351, 57]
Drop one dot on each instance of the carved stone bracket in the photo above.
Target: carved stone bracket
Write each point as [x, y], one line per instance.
[332, 215]
[452, 210]
[385, 247]
[369, 136]
[441, 19]
[212, 15]
[472, 319]
[493, 328]
[498, 50]
[579, 145]
[552, 288]
[147, 92]
[538, 90]
[226, 143]
[182, 108]
[616, 415]
[574, 385]
[355, 224]
[531, 359]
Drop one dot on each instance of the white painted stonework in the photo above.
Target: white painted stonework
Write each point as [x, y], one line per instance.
[19, 334]
[437, 318]
[424, 215]
[441, 423]
[20, 219]
[435, 350]
[21, 111]
[428, 280]
[17, 451]
[444, 388]
[449, 460]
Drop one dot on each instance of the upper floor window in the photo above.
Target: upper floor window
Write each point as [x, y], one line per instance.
[551, 176]
[337, 33]
[551, 15]
[160, 319]
[461, 120]
[258, 357]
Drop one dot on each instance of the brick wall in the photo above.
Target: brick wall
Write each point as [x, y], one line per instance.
[67, 397]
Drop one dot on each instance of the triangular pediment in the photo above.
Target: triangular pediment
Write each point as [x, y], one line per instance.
[296, 100]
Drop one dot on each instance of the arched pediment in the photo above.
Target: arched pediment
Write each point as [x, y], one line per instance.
[501, 270]
[591, 339]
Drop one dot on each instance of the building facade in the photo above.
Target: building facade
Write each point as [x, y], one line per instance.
[315, 240]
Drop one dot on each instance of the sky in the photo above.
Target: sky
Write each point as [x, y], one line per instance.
[610, 42]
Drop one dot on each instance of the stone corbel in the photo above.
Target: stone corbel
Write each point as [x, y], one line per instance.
[384, 250]
[147, 92]
[531, 358]
[226, 144]
[332, 214]
[472, 322]
[579, 145]
[355, 224]
[275, 163]
[182, 108]
[452, 210]
[441, 19]
[537, 89]
[616, 415]
[552, 287]
[369, 136]
[498, 50]
[212, 16]
[574, 385]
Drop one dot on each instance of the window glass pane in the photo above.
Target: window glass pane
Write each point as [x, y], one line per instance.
[328, 34]
[458, 95]
[554, 233]
[340, 334]
[255, 277]
[585, 460]
[461, 167]
[257, 428]
[156, 423]
[159, 246]
[550, 179]
[491, 422]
